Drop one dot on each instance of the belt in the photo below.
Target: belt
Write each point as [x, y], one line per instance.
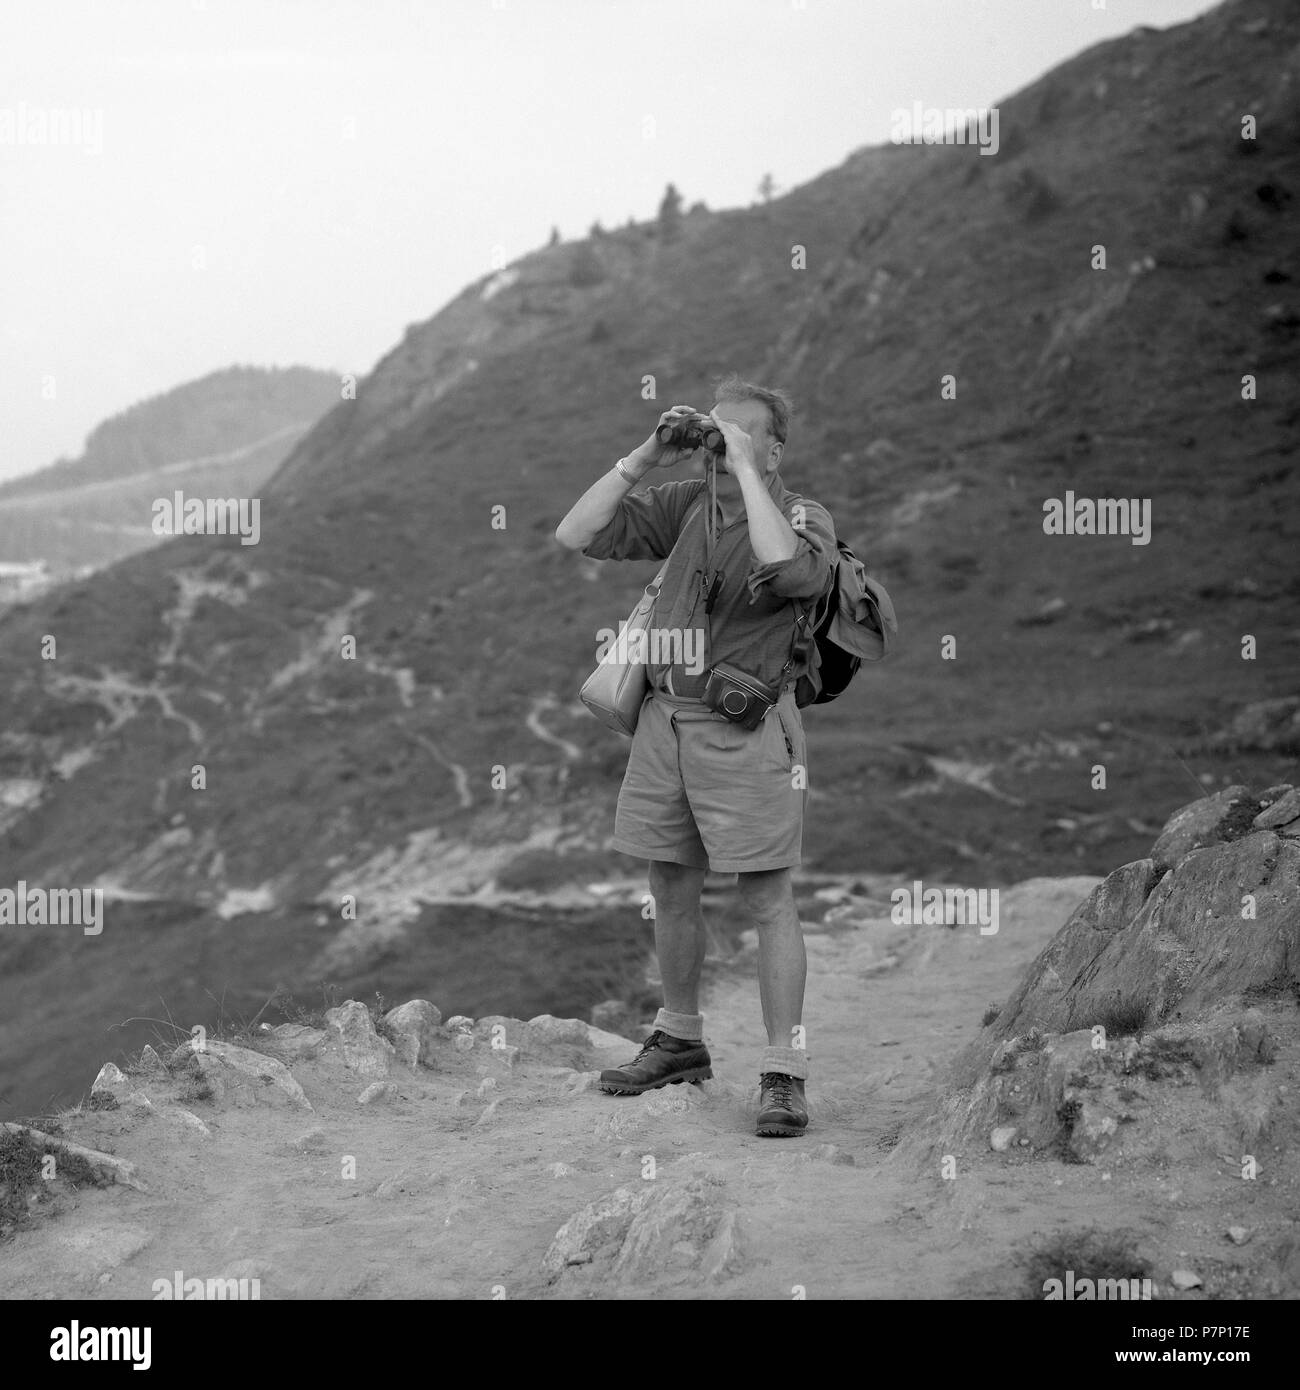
[679, 701]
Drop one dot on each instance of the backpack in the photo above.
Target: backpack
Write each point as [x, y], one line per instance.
[854, 620]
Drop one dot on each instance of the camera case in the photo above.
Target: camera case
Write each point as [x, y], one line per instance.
[738, 696]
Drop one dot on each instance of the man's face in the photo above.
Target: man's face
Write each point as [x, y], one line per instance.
[752, 417]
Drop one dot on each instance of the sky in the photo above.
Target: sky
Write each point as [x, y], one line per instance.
[293, 182]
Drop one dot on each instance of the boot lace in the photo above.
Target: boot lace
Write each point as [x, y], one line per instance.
[778, 1090]
[648, 1046]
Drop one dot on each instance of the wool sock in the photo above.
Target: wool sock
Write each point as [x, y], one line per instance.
[688, 1027]
[793, 1061]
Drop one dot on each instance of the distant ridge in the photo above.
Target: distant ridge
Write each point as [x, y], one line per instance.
[224, 433]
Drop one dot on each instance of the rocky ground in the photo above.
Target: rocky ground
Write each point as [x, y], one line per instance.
[957, 1149]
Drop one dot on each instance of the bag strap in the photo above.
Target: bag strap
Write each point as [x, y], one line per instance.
[657, 582]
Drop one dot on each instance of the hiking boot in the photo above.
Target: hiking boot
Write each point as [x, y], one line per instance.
[782, 1108]
[663, 1060]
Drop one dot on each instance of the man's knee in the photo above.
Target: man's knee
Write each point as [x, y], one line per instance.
[767, 893]
[675, 886]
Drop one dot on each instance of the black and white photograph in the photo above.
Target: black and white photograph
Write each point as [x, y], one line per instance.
[650, 652]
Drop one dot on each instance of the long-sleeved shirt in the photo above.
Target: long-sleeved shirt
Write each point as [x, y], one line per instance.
[753, 620]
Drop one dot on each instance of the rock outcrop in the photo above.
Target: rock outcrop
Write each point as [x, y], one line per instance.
[1148, 1022]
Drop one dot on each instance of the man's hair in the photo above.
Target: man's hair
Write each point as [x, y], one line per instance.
[779, 405]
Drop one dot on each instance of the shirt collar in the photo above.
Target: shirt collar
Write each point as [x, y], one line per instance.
[775, 490]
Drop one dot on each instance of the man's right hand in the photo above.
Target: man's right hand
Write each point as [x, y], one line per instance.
[653, 454]
[596, 507]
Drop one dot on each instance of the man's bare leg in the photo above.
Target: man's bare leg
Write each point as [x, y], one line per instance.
[675, 1050]
[679, 933]
[782, 972]
[782, 961]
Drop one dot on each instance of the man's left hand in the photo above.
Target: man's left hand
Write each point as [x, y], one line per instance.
[740, 447]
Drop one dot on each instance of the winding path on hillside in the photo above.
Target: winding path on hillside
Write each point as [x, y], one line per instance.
[541, 705]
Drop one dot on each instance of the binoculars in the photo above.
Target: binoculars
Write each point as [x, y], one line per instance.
[694, 432]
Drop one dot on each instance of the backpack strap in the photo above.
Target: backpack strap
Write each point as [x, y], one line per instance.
[801, 641]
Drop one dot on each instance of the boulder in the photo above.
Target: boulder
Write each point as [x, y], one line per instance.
[1224, 816]
[641, 1234]
[571, 1042]
[377, 1091]
[683, 1227]
[1081, 1095]
[364, 1051]
[1221, 925]
[414, 1027]
[296, 1041]
[1039, 1001]
[600, 1225]
[188, 1119]
[110, 1088]
[239, 1077]
[547, 1031]
[499, 1031]
[567, 1042]
[1278, 810]
[110, 1084]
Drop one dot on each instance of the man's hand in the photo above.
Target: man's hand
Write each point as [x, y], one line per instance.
[653, 454]
[740, 447]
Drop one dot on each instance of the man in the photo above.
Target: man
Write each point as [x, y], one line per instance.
[702, 792]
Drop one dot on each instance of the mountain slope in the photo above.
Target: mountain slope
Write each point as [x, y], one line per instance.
[223, 435]
[450, 753]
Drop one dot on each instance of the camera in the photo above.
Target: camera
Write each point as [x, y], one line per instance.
[738, 696]
[693, 432]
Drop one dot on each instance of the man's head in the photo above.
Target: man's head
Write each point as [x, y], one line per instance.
[763, 414]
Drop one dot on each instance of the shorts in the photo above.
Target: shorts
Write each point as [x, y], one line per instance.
[703, 792]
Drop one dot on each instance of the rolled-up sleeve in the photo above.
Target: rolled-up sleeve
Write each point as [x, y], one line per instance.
[644, 527]
[808, 572]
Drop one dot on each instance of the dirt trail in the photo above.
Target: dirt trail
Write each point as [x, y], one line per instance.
[463, 1178]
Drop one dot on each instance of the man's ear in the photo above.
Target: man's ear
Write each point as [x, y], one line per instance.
[774, 455]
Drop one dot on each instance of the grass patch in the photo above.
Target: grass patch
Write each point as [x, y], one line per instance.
[1124, 1018]
[1090, 1254]
[23, 1184]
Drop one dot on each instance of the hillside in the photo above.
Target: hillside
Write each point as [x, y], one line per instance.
[375, 776]
[221, 436]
